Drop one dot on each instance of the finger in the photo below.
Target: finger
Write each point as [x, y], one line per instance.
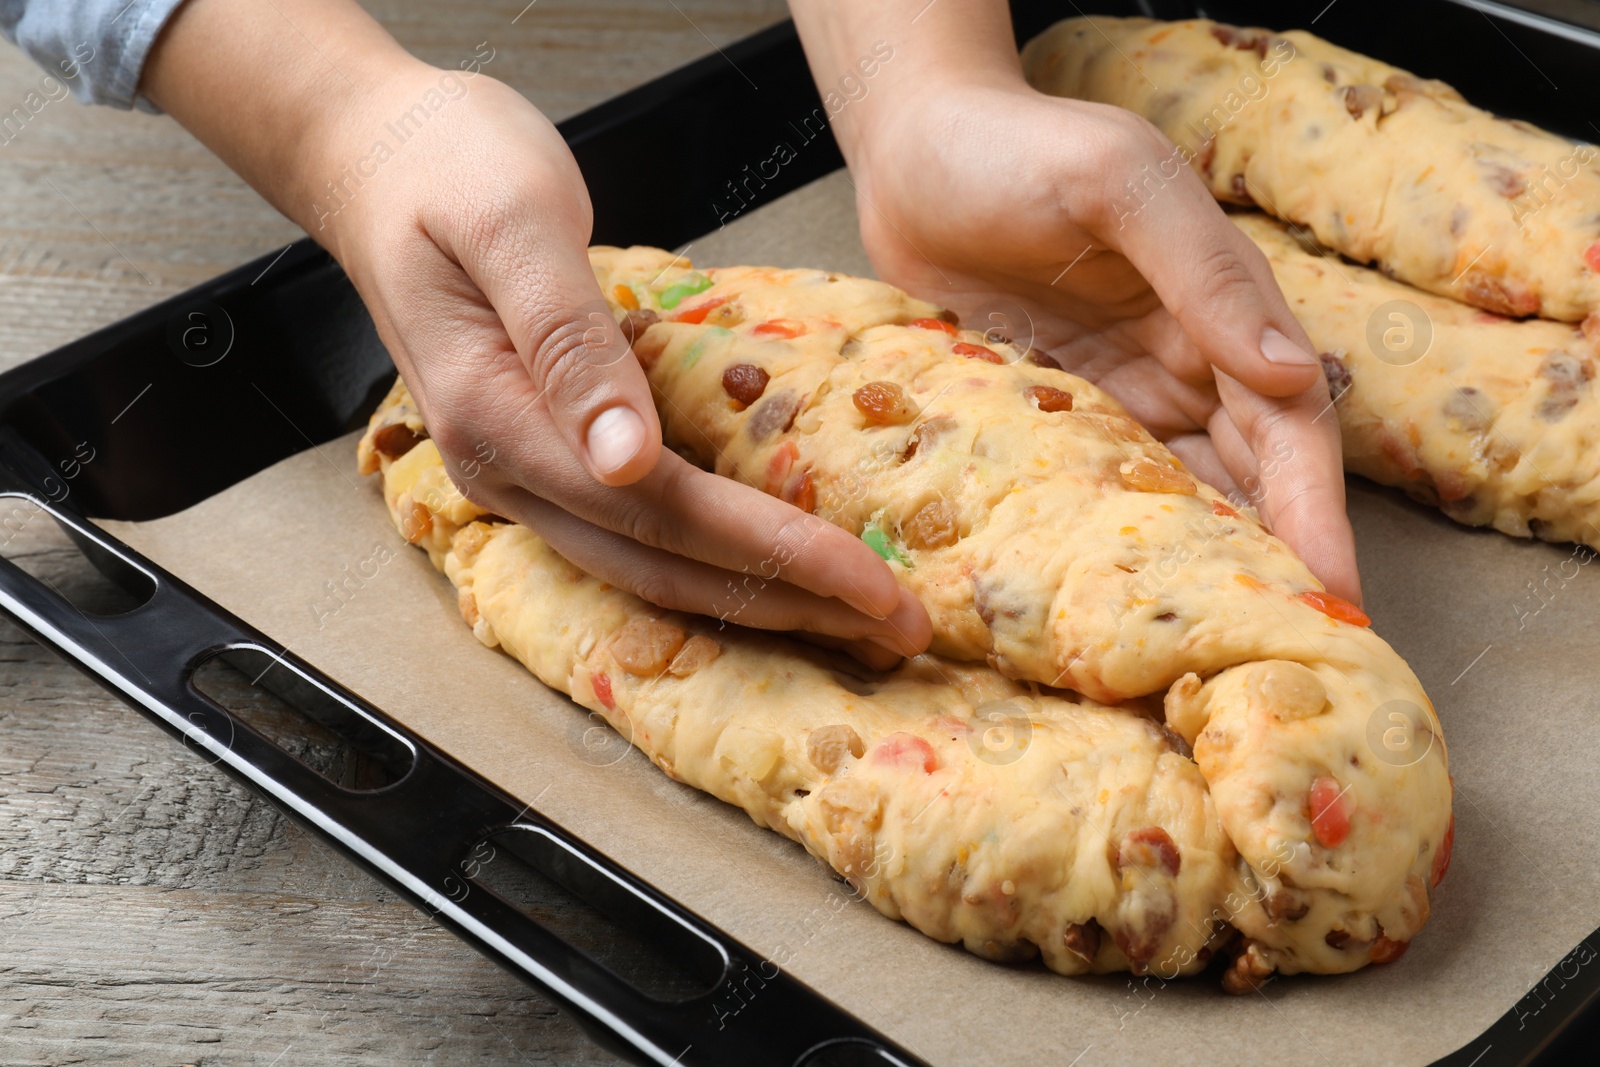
[474, 387]
[1286, 459]
[875, 656]
[530, 260]
[1216, 283]
[1200, 456]
[680, 584]
[690, 512]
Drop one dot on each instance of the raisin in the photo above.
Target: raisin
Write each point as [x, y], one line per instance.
[775, 414]
[1503, 180]
[1567, 375]
[1083, 940]
[745, 382]
[1359, 99]
[1499, 295]
[1149, 847]
[884, 403]
[933, 526]
[1048, 398]
[635, 323]
[396, 439]
[925, 435]
[1386, 951]
[645, 647]
[1336, 372]
[1148, 476]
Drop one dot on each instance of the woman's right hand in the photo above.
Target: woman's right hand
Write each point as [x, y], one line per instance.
[467, 241]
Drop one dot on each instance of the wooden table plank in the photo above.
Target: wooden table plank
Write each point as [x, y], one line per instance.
[152, 911]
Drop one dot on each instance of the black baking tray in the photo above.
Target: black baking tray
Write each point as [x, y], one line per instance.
[198, 393]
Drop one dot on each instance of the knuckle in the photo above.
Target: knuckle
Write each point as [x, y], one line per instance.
[1226, 278]
[659, 586]
[453, 439]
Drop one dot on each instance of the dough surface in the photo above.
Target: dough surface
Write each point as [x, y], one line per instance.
[1286, 825]
[1384, 167]
[1494, 421]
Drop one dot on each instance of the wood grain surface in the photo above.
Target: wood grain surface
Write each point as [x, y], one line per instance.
[151, 910]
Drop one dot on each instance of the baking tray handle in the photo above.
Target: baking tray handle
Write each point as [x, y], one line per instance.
[426, 832]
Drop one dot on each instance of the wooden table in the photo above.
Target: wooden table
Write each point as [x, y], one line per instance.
[151, 910]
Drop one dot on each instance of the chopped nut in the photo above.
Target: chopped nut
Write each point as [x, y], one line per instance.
[644, 647]
[1249, 969]
[1289, 690]
[744, 382]
[933, 526]
[469, 607]
[883, 403]
[827, 747]
[696, 652]
[469, 541]
[416, 521]
[1048, 398]
[1148, 476]
[1285, 905]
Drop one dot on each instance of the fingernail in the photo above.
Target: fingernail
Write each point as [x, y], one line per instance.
[1277, 348]
[887, 641]
[859, 601]
[615, 436]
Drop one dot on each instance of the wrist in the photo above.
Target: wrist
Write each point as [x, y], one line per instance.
[346, 145]
[900, 117]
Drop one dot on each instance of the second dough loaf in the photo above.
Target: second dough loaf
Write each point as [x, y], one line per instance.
[1496, 422]
[1383, 166]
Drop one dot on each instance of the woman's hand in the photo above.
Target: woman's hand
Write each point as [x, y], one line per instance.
[1016, 210]
[461, 217]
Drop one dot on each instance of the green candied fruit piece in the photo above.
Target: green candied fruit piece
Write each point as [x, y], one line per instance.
[879, 542]
[673, 294]
[698, 349]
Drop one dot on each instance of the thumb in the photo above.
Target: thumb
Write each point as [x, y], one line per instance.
[578, 360]
[1219, 287]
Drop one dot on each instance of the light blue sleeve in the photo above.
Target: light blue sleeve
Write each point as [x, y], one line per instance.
[94, 48]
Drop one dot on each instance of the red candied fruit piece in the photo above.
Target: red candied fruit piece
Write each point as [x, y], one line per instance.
[602, 689]
[906, 750]
[934, 324]
[988, 355]
[788, 329]
[696, 315]
[1330, 813]
[1336, 608]
[779, 466]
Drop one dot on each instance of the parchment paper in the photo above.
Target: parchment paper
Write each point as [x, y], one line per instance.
[1502, 633]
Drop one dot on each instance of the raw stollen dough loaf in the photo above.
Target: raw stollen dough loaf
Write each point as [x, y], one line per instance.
[1494, 421]
[1383, 166]
[1320, 849]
